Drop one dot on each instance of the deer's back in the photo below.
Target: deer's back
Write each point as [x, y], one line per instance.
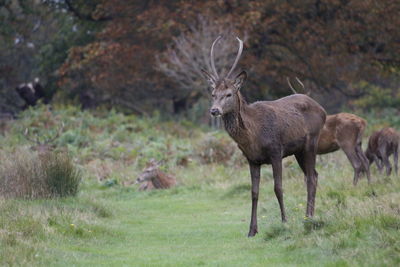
[390, 138]
[161, 180]
[387, 137]
[281, 126]
[344, 128]
[295, 115]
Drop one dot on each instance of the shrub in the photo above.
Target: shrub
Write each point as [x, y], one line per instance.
[377, 97]
[25, 174]
[215, 150]
[61, 177]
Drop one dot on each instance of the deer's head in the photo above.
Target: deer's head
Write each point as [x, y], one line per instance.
[224, 90]
[149, 172]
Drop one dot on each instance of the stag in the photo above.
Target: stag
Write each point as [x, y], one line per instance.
[267, 131]
[153, 178]
[344, 131]
[44, 144]
[381, 145]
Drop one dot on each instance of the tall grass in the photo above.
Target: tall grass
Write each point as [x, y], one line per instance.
[29, 175]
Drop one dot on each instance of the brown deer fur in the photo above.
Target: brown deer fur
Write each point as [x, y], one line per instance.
[344, 131]
[381, 145]
[153, 178]
[267, 131]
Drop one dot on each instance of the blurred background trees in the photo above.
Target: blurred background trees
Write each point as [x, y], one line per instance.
[142, 56]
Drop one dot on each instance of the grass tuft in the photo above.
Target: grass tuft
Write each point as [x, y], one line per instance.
[25, 174]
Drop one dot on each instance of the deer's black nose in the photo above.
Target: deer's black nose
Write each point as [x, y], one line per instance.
[215, 112]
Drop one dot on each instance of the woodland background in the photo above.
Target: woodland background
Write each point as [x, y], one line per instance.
[145, 56]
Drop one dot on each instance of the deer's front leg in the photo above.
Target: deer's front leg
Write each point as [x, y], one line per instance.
[255, 185]
[277, 172]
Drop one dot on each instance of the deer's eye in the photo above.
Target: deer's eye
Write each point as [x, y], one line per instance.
[213, 95]
[228, 95]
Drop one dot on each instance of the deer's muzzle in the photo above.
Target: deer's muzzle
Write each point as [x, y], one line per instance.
[216, 112]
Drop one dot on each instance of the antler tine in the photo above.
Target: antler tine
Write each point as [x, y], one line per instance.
[237, 57]
[48, 141]
[212, 57]
[290, 85]
[36, 141]
[298, 80]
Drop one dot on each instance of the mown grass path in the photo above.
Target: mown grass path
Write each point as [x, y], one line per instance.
[164, 229]
[196, 227]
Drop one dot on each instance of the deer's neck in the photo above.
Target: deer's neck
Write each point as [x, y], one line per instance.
[233, 121]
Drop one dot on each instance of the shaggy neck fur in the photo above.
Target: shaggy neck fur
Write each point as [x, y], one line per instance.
[233, 121]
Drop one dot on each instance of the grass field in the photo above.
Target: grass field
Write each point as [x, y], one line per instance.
[203, 221]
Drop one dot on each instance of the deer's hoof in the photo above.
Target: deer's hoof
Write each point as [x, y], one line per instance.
[252, 232]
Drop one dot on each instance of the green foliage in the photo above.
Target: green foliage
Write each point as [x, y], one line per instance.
[216, 150]
[377, 97]
[379, 118]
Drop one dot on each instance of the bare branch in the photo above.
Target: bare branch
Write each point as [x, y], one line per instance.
[190, 52]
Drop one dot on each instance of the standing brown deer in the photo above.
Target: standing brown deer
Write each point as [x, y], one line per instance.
[381, 145]
[344, 131]
[267, 131]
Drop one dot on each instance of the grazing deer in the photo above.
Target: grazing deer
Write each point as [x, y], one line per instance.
[267, 131]
[344, 131]
[381, 145]
[153, 178]
[45, 144]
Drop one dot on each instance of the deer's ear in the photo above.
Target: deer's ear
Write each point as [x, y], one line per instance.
[210, 78]
[239, 80]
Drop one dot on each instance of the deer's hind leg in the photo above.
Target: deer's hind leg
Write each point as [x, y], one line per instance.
[364, 161]
[355, 161]
[349, 147]
[396, 159]
[306, 160]
[277, 173]
[385, 159]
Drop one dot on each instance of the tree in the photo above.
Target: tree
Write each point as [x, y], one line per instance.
[189, 53]
[34, 40]
[144, 57]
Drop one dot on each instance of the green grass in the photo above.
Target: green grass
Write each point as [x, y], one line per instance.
[207, 225]
[204, 221]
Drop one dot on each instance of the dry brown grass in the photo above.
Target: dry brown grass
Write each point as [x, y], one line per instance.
[26, 174]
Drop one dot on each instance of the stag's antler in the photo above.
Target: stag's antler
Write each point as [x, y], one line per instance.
[46, 141]
[60, 130]
[291, 87]
[212, 57]
[298, 80]
[237, 57]
[36, 140]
